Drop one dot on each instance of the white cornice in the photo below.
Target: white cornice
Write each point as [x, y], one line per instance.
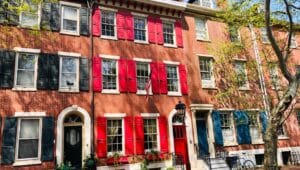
[165, 3]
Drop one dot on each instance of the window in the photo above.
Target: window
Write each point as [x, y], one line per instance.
[25, 74]
[293, 41]
[28, 145]
[108, 24]
[205, 3]
[30, 16]
[150, 134]
[241, 74]
[227, 128]
[114, 135]
[206, 71]
[109, 74]
[142, 75]
[281, 131]
[234, 34]
[69, 77]
[274, 76]
[70, 19]
[254, 125]
[140, 30]
[168, 31]
[201, 29]
[264, 37]
[172, 79]
[298, 117]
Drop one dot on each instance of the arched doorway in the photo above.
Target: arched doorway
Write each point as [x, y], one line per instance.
[73, 136]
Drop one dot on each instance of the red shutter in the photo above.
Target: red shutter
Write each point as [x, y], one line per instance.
[154, 77]
[178, 31]
[101, 137]
[151, 29]
[163, 134]
[139, 135]
[183, 79]
[163, 84]
[131, 77]
[122, 75]
[159, 31]
[129, 149]
[121, 25]
[130, 27]
[97, 82]
[96, 21]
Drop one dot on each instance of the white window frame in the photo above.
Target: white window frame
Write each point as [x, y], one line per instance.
[153, 116]
[246, 86]
[206, 84]
[172, 22]
[115, 58]
[76, 57]
[35, 52]
[294, 41]
[145, 61]
[234, 142]
[199, 29]
[114, 11]
[284, 135]
[28, 161]
[144, 16]
[200, 2]
[264, 36]
[174, 64]
[116, 116]
[37, 26]
[72, 5]
[259, 140]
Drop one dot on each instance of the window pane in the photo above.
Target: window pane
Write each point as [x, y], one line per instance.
[29, 19]
[142, 75]
[139, 28]
[150, 134]
[29, 129]
[70, 25]
[28, 148]
[205, 68]
[114, 135]
[26, 70]
[68, 79]
[26, 61]
[25, 78]
[168, 31]
[172, 78]
[70, 18]
[70, 13]
[108, 23]
[109, 74]
[68, 65]
[68, 74]
[201, 31]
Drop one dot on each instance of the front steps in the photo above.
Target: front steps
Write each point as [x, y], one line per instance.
[218, 164]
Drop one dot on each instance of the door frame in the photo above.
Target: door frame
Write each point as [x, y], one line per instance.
[189, 136]
[86, 132]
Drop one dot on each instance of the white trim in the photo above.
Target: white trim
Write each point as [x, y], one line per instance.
[69, 4]
[123, 135]
[164, 165]
[206, 29]
[30, 114]
[72, 5]
[205, 55]
[28, 162]
[171, 62]
[112, 57]
[146, 41]
[108, 9]
[115, 37]
[27, 50]
[38, 13]
[114, 115]
[175, 93]
[139, 14]
[86, 132]
[69, 54]
[75, 87]
[150, 115]
[158, 148]
[167, 19]
[146, 60]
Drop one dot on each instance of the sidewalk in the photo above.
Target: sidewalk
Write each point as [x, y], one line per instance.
[286, 168]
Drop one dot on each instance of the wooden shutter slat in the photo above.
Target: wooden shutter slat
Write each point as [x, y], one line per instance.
[84, 81]
[131, 77]
[130, 27]
[47, 139]
[163, 83]
[129, 145]
[96, 21]
[84, 21]
[139, 135]
[101, 137]
[46, 16]
[163, 134]
[151, 29]
[97, 75]
[122, 75]
[7, 69]
[178, 31]
[43, 69]
[183, 79]
[9, 140]
[121, 25]
[55, 17]
[159, 31]
[53, 71]
[154, 77]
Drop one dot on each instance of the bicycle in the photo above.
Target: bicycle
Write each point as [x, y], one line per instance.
[241, 163]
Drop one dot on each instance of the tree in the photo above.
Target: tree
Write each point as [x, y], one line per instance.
[271, 14]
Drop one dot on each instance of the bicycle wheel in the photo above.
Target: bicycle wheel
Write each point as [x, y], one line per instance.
[249, 165]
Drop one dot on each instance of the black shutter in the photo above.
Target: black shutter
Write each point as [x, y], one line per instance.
[55, 17]
[7, 62]
[84, 21]
[9, 140]
[84, 74]
[43, 73]
[46, 16]
[53, 71]
[47, 139]
[2, 12]
[12, 14]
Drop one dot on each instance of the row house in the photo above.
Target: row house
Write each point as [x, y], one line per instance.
[106, 79]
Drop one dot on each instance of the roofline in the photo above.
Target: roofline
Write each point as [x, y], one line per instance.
[197, 9]
[165, 3]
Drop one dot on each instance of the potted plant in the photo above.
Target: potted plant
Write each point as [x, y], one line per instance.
[90, 162]
[63, 166]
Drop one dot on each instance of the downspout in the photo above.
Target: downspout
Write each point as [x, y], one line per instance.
[260, 71]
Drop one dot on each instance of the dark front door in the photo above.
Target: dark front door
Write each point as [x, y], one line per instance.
[73, 146]
[180, 145]
[202, 137]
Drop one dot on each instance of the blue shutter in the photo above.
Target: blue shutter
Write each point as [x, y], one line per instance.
[217, 128]
[47, 139]
[55, 17]
[264, 121]
[242, 127]
[9, 140]
[84, 21]
[7, 68]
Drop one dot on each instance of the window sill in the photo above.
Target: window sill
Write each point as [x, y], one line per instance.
[69, 91]
[198, 39]
[174, 94]
[24, 89]
[109, 37]
[231, 144]
[32, 27]
[209, 88]
[70, 33]
[110, 91]
[283, 137]
[27, 162]
[144, 93]
[141, 42]
[256, 142]
[170, 45]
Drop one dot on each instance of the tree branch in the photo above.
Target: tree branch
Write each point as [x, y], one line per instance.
[275, 46]
[287, 48]
[290, 112]
[294, 6]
